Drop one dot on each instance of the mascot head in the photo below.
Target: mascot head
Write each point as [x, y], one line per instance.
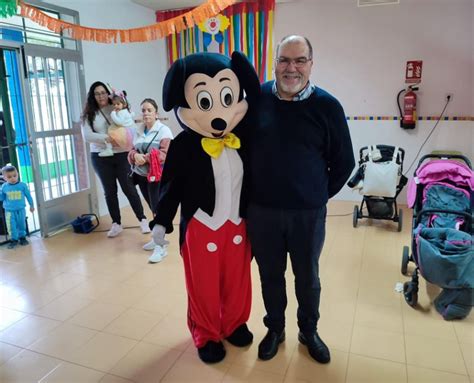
[206, 91]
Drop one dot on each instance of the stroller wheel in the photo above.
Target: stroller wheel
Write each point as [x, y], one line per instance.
[400, 219]
[405, 259]
[355, 216]
[410, 291]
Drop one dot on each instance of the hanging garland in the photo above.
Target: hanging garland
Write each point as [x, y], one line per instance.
[8, 8]
[197, 15]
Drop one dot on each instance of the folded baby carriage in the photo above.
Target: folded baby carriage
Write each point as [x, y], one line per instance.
[441, 195]
[379, 179]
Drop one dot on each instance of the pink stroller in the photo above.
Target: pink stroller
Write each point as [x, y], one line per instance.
[441, 195]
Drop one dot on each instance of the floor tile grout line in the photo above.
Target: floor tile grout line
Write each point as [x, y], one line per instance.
[409, 364]
[380, 358]
[355, 309]
[101, 371]
[295, 348]
[172, 365]
[10, 344]
[118, 362]
[49, 373]
[63, 361]
[461, 351]
[436, 369]
[294, 355]
[82, 327]
[382, 329]
[404, 337]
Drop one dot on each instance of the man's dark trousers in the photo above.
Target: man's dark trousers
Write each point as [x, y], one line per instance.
[274, 232]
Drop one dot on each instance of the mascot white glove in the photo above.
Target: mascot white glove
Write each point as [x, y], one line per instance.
[158, 234]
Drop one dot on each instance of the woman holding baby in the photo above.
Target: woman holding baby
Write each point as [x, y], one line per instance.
[96, 121]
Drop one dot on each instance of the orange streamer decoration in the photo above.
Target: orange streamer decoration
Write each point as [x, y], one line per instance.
[151, 32]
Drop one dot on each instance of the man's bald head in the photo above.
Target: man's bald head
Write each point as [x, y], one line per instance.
[295, 39]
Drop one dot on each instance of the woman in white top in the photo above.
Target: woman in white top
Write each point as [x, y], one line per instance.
[150, 146]
[95, 124]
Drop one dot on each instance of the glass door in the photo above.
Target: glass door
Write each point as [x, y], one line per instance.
[55, 90]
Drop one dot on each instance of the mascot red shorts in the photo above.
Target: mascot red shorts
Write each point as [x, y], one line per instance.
[217, 270]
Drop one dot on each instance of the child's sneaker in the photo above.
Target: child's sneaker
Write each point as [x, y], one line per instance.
[23, 241]
[144, 226]
[158, 254]
[115, 230]
[106, 153]
[12, 244]
[149, 246]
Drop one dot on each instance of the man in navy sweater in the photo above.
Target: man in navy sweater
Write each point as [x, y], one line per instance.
[300, 155]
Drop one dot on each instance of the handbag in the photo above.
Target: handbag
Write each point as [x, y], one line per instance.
[149, 144]
[132, 172]
[381, 178]
[83, 224]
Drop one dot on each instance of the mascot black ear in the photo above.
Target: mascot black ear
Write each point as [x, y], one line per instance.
[246, 74]
[173, 86]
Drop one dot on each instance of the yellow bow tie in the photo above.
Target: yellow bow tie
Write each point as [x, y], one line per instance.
[215, 146]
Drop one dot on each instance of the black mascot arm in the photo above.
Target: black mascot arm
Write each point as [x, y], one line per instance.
[247, 76]
[249, 82]
[171, 187]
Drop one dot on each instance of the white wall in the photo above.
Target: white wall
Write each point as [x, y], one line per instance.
[360, 57]
[138, 68]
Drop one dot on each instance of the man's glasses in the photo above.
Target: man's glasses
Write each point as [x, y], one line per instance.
[298, 62]
[98, 94]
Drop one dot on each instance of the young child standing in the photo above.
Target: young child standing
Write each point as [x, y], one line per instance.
[13, 194]
[123, 130]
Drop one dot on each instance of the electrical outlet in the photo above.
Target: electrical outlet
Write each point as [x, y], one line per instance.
[449, 97]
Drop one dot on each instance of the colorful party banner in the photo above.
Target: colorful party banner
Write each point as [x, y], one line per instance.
[249, 30]
[181, 22]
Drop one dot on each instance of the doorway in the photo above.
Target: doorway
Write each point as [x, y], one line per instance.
[13, 132]
[42, 91]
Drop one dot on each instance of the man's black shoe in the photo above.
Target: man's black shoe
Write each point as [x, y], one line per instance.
[268, 347]
[12, 244]
[316, 347]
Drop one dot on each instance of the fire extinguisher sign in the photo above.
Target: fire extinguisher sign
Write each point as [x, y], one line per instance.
[413, 72]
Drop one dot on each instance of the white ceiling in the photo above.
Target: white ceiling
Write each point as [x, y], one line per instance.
[177, 4]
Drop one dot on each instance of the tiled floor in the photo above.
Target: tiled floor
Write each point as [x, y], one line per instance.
[85, 308]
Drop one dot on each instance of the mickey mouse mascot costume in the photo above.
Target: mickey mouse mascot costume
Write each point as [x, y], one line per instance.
[203, 172]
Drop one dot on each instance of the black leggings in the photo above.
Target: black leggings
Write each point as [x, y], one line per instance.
[109, 170]
[150, 190]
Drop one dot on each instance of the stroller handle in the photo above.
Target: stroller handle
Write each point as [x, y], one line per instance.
[445, 156]
[454, 212]
[382, 146]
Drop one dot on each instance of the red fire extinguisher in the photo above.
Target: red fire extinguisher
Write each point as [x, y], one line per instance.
[408, 114]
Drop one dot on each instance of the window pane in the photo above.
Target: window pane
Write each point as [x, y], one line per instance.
[37, 34]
